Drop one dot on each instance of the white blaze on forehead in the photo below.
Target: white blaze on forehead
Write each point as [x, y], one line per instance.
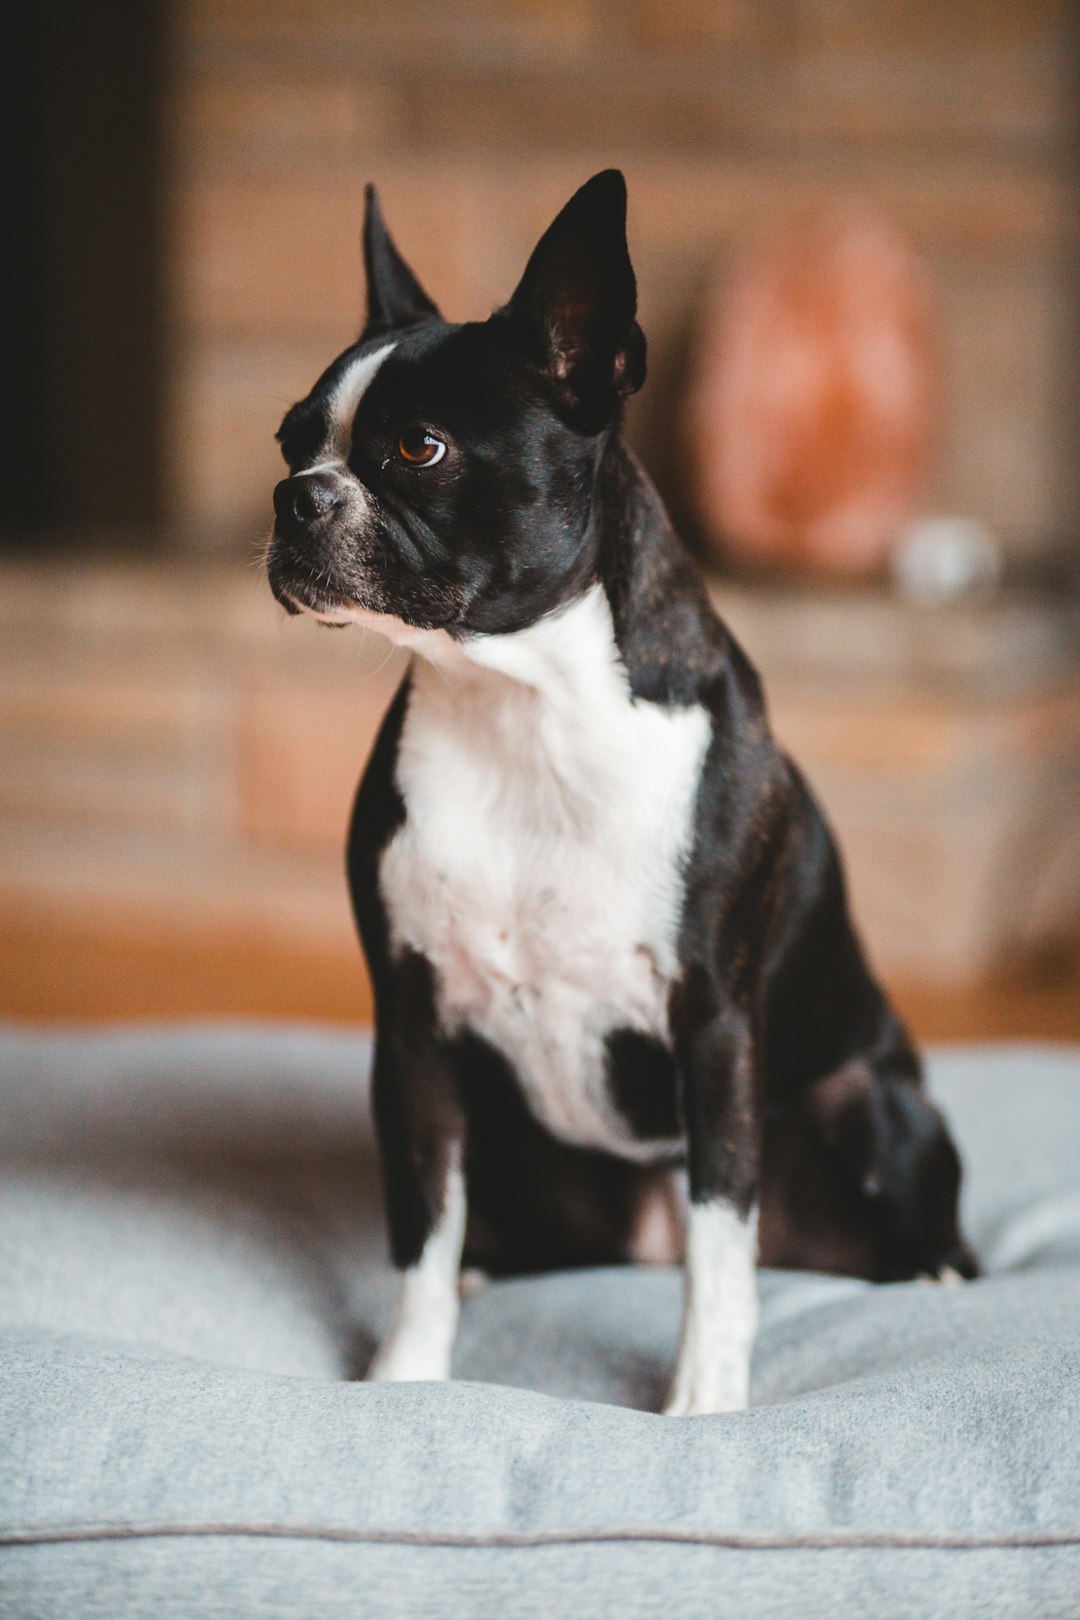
[349, 390]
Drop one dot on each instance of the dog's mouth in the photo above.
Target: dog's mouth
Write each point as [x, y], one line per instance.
[336, 611]
[333, 616]
[313, 591]
[319, 598]
[331, 609]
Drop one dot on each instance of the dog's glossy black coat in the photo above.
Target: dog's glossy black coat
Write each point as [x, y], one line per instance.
[788, 1076]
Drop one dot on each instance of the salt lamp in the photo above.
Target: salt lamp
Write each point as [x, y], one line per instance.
[812, 415]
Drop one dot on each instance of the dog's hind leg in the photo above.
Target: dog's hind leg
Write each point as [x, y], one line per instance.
[860, 1176]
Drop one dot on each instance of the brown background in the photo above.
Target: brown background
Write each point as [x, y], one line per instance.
[176, 762]
[478, 120]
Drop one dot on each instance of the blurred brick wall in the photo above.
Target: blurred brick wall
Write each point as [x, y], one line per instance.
[178, 762]
[478, 119]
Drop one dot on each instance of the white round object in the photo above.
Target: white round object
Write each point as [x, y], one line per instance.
[937, 559]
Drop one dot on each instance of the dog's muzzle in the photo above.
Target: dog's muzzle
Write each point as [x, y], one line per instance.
[313, 563]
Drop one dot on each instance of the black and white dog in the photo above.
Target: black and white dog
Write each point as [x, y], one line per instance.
[621, 1009]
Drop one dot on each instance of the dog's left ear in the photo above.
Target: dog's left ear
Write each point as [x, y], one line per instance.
[395, 297]
[574, 307]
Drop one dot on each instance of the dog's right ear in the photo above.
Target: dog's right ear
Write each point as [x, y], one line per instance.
[395, 298]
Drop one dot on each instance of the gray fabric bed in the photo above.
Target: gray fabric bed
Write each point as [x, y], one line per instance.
[192, 1270]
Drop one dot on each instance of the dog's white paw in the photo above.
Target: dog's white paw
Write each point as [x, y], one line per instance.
[407, 1362]
[948, 1277]
[697, 1391]
[690, 1406]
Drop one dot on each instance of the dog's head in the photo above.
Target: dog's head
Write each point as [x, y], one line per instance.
[442, 476]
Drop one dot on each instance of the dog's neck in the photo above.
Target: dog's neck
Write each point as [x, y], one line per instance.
[546, 681]
[544, 724]
[668, 636]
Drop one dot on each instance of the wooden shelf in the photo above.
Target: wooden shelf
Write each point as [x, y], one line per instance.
[94, 969]
[178, 762]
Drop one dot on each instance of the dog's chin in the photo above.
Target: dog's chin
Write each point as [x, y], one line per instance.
[331, 602]
[328, 608]
[336, 612]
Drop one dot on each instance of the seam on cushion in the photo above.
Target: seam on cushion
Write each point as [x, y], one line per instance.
[747, 1540]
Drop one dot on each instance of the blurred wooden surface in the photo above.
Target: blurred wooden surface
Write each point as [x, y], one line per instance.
[92, 970]
[178, 762]
[96, 971]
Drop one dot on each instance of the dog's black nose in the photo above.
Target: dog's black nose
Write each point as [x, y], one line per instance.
[306, 498]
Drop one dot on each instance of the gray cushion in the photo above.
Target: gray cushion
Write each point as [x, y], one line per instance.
[192, 1270]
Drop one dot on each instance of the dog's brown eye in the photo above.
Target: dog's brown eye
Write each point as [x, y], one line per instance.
[418, 448]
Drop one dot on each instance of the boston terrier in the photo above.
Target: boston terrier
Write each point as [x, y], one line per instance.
[621, 1009]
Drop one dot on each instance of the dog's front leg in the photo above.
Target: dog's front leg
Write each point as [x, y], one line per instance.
[720, 1308]
[421, 1138]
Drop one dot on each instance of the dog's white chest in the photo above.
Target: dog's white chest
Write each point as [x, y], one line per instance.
[539, 868]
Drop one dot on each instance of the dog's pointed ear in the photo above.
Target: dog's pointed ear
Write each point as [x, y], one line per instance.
[575, 305]
[394, 296]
